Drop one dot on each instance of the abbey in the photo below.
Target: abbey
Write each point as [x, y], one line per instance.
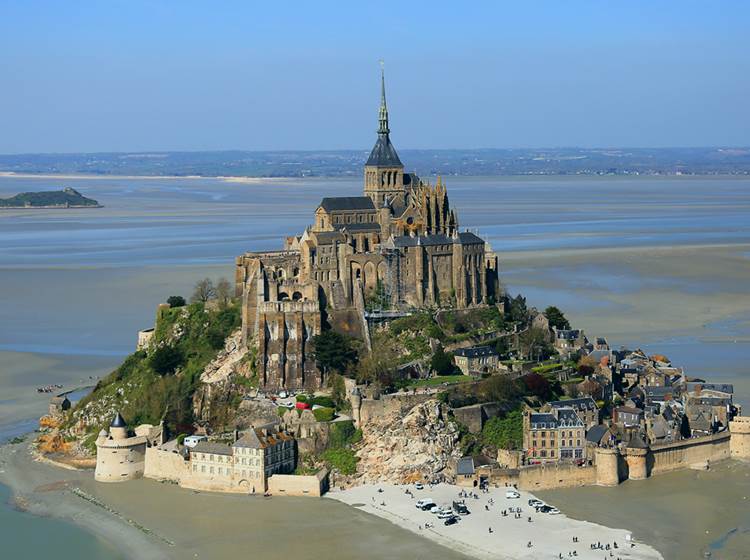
[400, 242]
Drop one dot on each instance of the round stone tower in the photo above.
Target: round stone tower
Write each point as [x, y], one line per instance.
[636, 454]
[739, 441]
[119, 457]
[637, 464]
[607, 471]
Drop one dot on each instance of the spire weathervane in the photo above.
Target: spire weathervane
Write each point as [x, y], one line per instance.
[383, 113]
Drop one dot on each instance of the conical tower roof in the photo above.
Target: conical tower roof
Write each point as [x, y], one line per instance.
[118, 422]
[383, 153]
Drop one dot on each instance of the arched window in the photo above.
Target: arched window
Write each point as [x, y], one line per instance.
[283, 296]
[296, 296]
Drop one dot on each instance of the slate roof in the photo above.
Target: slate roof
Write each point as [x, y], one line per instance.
[468, 238]
[596, 433]
[465, 466]
[343, 203]
[328, 237]
[721, 387]
[212, 447]
[476, 352]
[383, 154]
[118, 422]
[584, 403]
[464, 238]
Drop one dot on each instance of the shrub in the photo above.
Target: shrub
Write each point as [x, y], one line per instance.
[215, 338]
[342, 459]
[342, 434]
[442, 362]
[301, 398]
[166, 360]
[176, 301]
[504, 433]
[323, 401]
[324, 414]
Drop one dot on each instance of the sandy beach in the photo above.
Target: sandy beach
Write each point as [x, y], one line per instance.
[550, 535]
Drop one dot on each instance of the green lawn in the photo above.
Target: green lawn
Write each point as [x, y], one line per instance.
[546, 368]
[439, 380]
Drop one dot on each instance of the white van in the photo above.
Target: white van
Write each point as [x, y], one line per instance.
[423, 502]
[512, 494]
[192, 441]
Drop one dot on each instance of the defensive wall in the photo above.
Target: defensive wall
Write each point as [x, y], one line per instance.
[682, 454]
[299, 485]
[165, 465]
[366, 409]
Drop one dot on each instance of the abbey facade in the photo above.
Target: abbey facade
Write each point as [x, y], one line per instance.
[400, 242]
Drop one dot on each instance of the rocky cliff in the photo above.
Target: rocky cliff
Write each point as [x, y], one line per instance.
[404, 448]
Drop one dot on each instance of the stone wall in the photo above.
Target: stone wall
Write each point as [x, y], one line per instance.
[117, 461]
[474, 416]
[398, 403]
[740, 442]
[682, 454]
[165, 465]
[563, 475]
[297, 485]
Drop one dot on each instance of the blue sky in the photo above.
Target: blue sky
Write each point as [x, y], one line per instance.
[134, 76]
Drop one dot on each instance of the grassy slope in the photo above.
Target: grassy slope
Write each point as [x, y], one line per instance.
[144, 396]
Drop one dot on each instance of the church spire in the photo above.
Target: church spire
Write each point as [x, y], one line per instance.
[383, 113]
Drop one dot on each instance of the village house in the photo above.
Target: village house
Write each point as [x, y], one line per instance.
[479, 359]
[557, 435]
[585, 408]
[569, 341]
[247, 463]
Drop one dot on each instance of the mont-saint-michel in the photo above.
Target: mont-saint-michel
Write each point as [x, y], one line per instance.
[377, 358]
[262, 295]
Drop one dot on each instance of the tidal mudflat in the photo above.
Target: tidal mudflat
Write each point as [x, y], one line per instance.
[661, 263]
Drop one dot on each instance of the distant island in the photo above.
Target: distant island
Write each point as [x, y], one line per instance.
[66, 198]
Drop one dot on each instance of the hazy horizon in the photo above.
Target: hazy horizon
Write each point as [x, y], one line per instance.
[143, 77]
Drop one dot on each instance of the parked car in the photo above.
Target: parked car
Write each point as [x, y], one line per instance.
[419, 486]
[512, 494]
[428, 506]
[533, 502]
[446, 513]
[451, 520]
[460, 508]
[554, 511]
[435, 510]
[545, 509]
[424, 502]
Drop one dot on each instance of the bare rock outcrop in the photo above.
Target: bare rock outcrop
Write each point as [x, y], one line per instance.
[398, 449]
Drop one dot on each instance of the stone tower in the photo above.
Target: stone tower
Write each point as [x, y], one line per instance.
[607, 466]
[739, 442]
[118, 456]
[384, 172]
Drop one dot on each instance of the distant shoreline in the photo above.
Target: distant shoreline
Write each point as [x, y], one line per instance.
[257, 180]
[51, 207]
[229, 179]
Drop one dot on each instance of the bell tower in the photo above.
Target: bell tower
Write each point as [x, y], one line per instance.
[384, 172]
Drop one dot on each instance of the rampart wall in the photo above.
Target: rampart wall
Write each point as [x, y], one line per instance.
[165, 465]
[563, 475]
[296, 485]
[682, 454]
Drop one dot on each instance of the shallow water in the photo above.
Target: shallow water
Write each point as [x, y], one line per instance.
[28, 536]
[652, 262]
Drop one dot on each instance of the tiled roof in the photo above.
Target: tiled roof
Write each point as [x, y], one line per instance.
[214, 447]
[342, 203]
[584, 403]
[476, 352]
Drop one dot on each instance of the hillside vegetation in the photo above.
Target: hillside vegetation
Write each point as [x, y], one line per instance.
[159, 383]
[63, 198]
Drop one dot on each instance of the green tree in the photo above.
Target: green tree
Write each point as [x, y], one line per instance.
[333, 351]
[380, 364]
[504, 433]
[442, 362]
[533, 344]
[556, 318]
[498, 388]
[176, 301]
[685, 431]
[165, 360]
[517, 310]
[338, 390]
